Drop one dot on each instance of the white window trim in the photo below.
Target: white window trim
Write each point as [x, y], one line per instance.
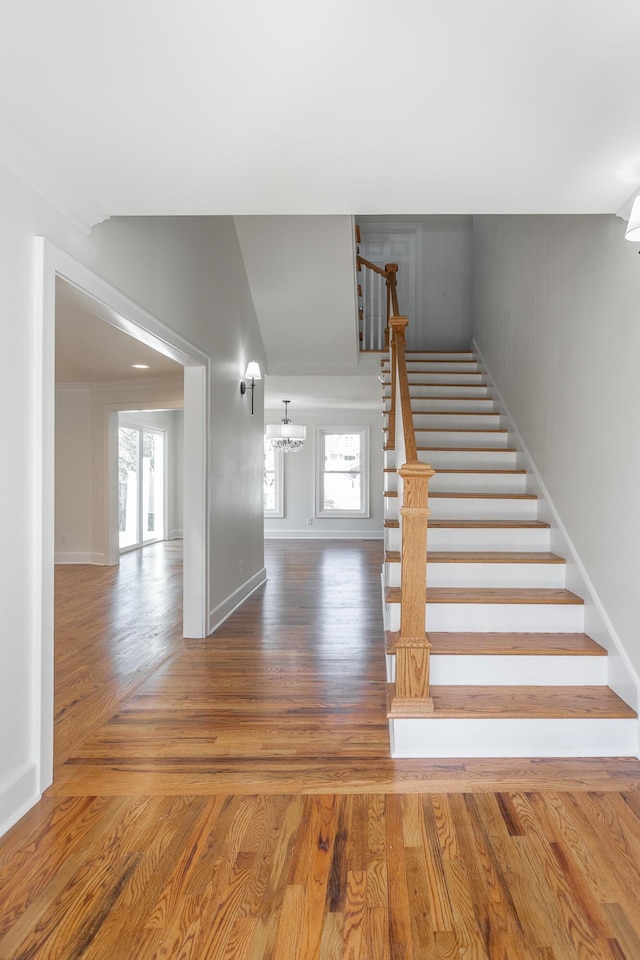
[363, 512]
[278, 511]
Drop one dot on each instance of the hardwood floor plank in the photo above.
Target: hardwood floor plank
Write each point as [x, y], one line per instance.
[234, 798]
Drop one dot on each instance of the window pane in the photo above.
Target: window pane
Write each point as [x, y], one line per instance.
[269, 491]
[342, 451]
[342, 491]
[152, 485]
[128, 486]
[272, 485]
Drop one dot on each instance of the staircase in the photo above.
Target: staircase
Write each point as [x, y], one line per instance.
[512, 671]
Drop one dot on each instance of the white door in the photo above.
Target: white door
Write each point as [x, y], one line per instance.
[382, 246]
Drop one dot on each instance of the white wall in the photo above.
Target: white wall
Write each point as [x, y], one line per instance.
[189, 274]
[557, 311]
[74, 475]
[444, 279]
[81, 460]
[299, 479]
[301, 273]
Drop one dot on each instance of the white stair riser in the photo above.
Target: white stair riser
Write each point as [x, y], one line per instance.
[486, 538]
[478, 483]
[463, 438]
[467, 459]
[496, 617]
[514, 737]
[455, 421]
[436, 366]
[434, 406]
[456, 378]
[472, 508]
[419, 390]
[435, 355]
[527, 575]
[544, 671]
[390, 481]
[390, 508]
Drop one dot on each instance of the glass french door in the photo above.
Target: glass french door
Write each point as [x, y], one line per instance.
[141, 472]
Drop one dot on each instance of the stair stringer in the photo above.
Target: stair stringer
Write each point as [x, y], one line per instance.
[622, 677]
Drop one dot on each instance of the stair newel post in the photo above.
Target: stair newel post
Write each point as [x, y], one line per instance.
[412, 693]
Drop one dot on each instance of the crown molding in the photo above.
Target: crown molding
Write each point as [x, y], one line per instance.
[30, 164]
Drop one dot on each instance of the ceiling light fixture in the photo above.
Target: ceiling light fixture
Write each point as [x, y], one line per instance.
[141, 366]
[286, 435]
[253, 373]
[633, 227]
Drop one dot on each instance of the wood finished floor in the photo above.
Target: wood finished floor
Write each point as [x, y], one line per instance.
[233, 798]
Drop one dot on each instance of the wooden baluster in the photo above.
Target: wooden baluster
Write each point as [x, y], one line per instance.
[391, 270]
[391, 421]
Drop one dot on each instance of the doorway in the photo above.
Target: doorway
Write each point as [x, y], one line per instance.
[110, 305]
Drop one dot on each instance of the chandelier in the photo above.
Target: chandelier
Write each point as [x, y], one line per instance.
[286, 435]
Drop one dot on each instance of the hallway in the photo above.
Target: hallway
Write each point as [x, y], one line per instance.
[233, 797]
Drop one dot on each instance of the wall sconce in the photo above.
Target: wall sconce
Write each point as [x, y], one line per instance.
[253, 374]
[633, 227]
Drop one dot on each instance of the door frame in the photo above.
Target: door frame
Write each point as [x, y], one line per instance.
[120, 311]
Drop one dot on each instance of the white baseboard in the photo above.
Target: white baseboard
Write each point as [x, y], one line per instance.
[176, 535]
[17, 795]
[623, 678]
[223, 611]
[97, 559]
[312, 534]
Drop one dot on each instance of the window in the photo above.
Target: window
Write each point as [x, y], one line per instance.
[273, 483]
[342, 482]
[141, 507]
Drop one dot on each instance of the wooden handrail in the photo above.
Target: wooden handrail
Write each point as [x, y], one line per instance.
[412, 695]
[390, 277]
[363, 262]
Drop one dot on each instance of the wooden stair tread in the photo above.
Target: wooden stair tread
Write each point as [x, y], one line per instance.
[517, 595]
[507, 644]
[488, 524]
[442, 383]
[440, 396]
[516, 471]
[460, 430]
[484, 496]
[482, 556]
[451, 413]
[526, 703]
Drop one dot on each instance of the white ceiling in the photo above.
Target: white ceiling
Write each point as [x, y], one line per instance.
[90, 349]
[344, 106]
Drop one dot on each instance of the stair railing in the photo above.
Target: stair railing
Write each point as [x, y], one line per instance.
[376, 308]
[412, 695]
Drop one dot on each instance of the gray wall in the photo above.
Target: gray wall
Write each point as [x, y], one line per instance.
[557, 319]
[189, 273]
